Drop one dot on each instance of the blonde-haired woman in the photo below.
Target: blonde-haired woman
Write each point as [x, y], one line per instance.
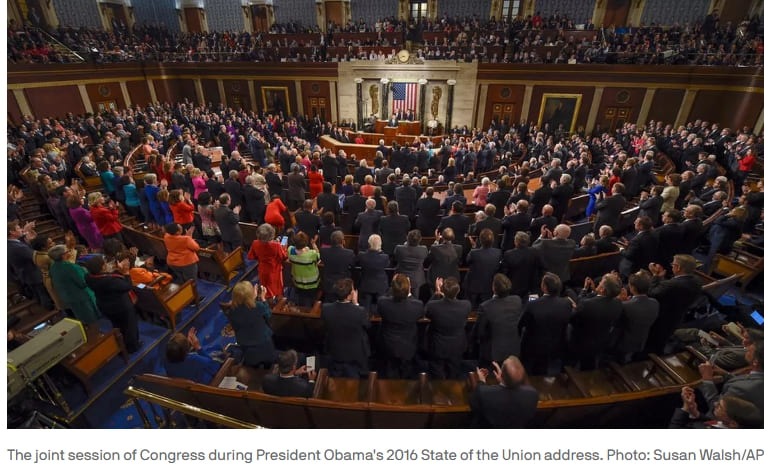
[480, 194]
[249, 315]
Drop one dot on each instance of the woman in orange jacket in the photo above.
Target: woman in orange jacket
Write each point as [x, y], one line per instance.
[181, 252]
[182, 209]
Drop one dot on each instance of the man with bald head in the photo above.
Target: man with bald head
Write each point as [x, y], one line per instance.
[556, 250]
[547, 219]
[367, 223]
[509, 404]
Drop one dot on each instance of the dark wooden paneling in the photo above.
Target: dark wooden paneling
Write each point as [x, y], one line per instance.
[587, 93]
[316, 89]
[211, 92]
[504, 94]
[55, 101]
[621, 98]
[193, 19]
[733, 109]
[15, 115]
[175, 89]
[617, 12]
[734, 11]
[186, 89]
[105, 92]
[334, 10]
[237, 94]
[139, 92]
[665, 105]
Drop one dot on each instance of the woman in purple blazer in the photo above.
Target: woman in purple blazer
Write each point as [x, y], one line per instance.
[84, 221]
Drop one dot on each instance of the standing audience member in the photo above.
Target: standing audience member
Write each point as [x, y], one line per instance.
[305, 274]
[347, 341]
[373, 263]
[270, 255]
[447, 340]
[400, 313]
[509, 404]
[249, 316]
[181, 252]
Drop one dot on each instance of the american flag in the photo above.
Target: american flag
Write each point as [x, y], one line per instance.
[405, 96]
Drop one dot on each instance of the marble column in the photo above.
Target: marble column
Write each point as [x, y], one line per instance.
[384, 115]
[359, 99]
[422, 96]
[449, 104]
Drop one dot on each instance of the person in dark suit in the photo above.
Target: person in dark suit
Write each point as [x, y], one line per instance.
[650, 206]
[723, 233]
[355, 204]
[496, 330]
[347, 341]
[546, 219]
[561, 195]
[330, 166]
[228, 222]
[640, 250]
[367, 223]
[459, 223]
[373, 263]
[410, 258]
[516, 219]
[428, 213]
[523, 265]
[543, 326]
[274, 181]
[21, 266]
[296, 187]
[400, 313]
[443, 258]
[447, 340]
[483, 263]
[215, 186]
[489, 222]
[361, 171]
[406, 198]
[457, 196]
[307, 221]
[587, 248]
[249, 316]
[541, 196]
[606, 241]
[327, 201]
[594, 320]
[630, 178]
[692, 229]
[337, 261]
[556, 250]
[393, 228]
[749, 386]
[288, 380]
[638, 315]
[254, 200]
[669, 237]
[675, 296]
[510, 404]
[393, 122]
[609, 208]
[233, 189]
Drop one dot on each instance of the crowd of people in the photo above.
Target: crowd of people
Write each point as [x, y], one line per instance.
[307, 201]
[533, 39]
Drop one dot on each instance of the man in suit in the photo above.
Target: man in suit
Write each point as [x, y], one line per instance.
[650, 205]
[490, 222]
[749, 386]
[546, 219]
[228, 222]
[328, 201]
[337, 261]
[496, 330]
[458, 196]
[393, 122]
[556, 250]
[406, 198]
[541, 197]
[355, 204]
[543, 326]
[447, 340]
[609, 208]
[331, 167]
[561, 195]
[274, 181]
[233, 189]
[516, 219]
[483, 263]
[21, 266]
[669, 237]
[393, 228]
[381, 174]
[595, 319]
[692, 229]
[296, 187]
[640, 250]
[523, 265]
[444, 258]
[307, 221]
[509, 404]
[373, 263]
[347, 341]
[289, 381]
[638, 315]
[459, 223]
[400, 314]
[675, 296]
[428, 213]
[367, 224]
[630, 178]
[254, 201]
[606, 241]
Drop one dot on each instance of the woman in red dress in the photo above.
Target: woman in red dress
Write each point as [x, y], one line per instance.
[274, 213]
[270, 255]
[316, 182]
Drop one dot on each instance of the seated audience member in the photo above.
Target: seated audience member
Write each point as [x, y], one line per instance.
[606, 241]
[373, 276]
[543, 327]
[304, 259]
[675, 296]
[483, 263]
[181, 252]
[588, 247]
[509, 404]
[728, 412]
[338, 261]
[249, 316]
[749, 386]
[447, 340]
[638, 315]
[496, 329]
[594, 320]
[112, 292]
[409, 260]
[288, 380]
[400, 313]
[556, 251]
[187, 360]
[728, 356]
[347, 341]
[524, 266]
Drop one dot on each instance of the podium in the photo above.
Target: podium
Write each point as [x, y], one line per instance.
[389, 132]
